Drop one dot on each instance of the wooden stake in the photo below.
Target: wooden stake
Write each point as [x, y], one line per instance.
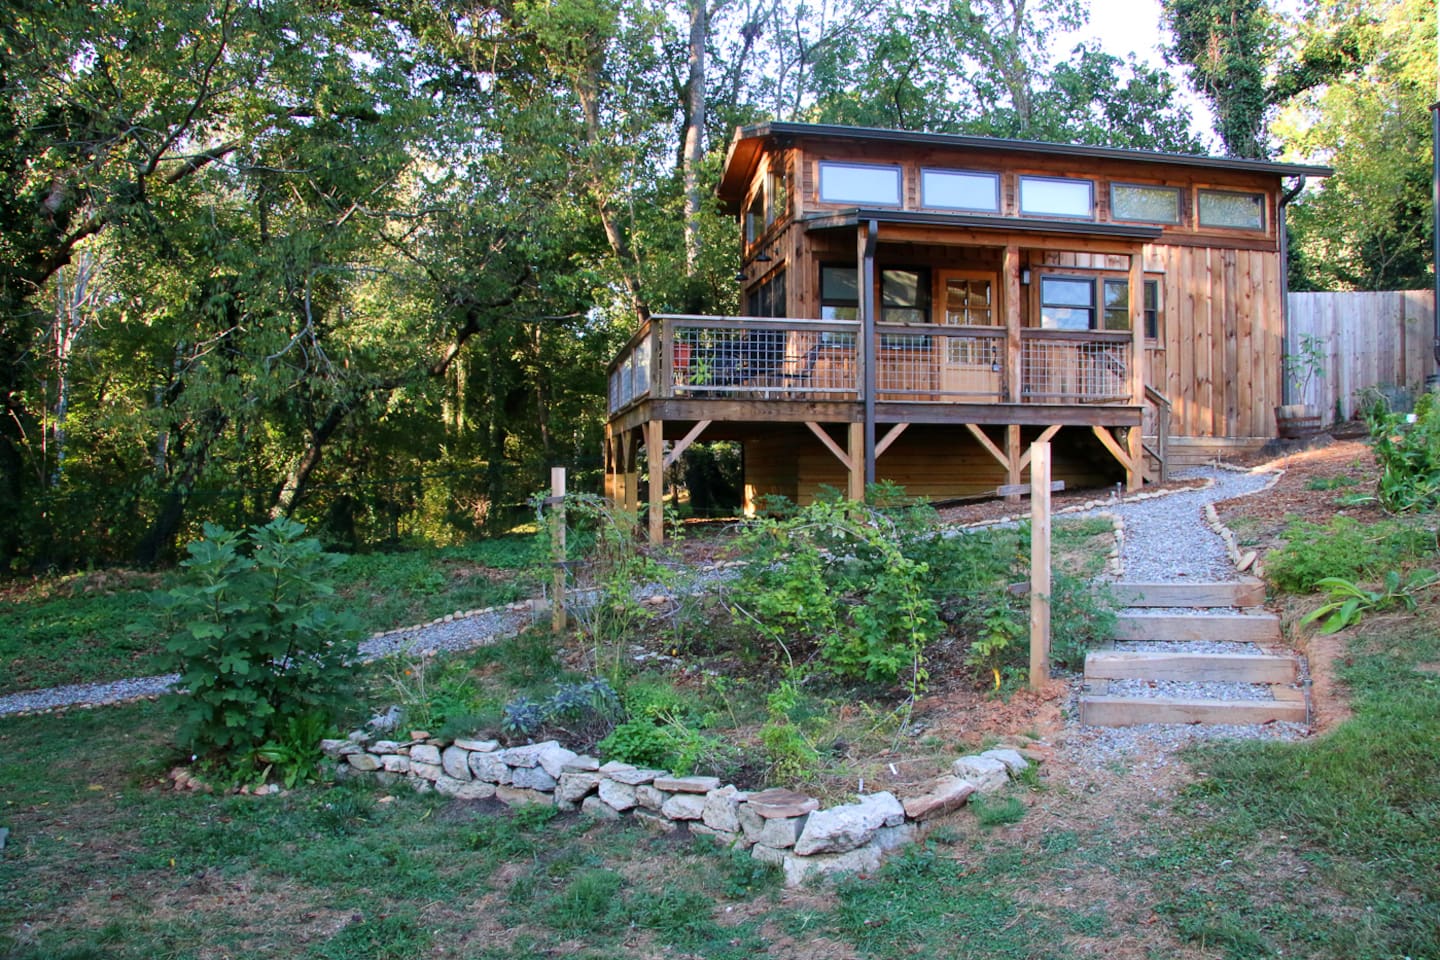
[1039, 565]
[558, 619]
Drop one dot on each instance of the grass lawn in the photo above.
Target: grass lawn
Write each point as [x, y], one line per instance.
[1318, 849]
[83, 628]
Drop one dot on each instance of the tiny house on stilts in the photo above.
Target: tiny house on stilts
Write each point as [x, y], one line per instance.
[921, 307]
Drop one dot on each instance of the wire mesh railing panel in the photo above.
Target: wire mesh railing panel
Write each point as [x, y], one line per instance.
[767, 358]
[1075, 370]
[946, 364]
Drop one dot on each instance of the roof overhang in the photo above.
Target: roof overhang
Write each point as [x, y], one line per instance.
[750, 142]
[969, 222]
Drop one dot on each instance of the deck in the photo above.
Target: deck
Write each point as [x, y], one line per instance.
[681, 376]
[693, 368]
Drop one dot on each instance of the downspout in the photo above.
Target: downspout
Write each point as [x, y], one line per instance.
[1435, 222]
[1286, 389]
[867, 333]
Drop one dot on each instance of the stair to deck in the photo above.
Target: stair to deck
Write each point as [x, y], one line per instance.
[1128, 687]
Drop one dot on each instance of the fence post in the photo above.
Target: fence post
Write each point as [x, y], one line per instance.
[1039, 565]
[558, 618]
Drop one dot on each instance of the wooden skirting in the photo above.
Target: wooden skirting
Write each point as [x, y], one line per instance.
[1198, 451]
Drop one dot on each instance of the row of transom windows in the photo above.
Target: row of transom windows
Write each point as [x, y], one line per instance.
[979, 191]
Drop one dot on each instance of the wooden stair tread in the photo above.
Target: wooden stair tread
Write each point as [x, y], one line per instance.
[1235, 627]
[1244, 593]
[1108, 711]
[1190, 667]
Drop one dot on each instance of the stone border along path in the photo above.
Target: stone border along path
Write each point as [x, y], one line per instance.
[1161, 538]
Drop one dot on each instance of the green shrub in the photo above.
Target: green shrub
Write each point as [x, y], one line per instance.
[1407, 450]
[1082, 617]
[256, 649]
[1342, 548]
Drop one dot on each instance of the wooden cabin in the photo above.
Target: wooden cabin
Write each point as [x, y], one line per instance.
[921, 307]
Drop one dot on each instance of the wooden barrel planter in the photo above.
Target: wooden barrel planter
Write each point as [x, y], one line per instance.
[1297, 421]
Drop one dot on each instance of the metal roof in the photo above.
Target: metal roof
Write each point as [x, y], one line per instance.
[1089, 228]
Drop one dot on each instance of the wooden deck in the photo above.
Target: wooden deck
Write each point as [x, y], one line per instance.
[683, 377]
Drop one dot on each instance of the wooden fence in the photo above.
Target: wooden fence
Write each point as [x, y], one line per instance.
[1380, 340]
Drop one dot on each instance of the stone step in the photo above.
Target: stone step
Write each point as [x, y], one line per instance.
[1232, 627]
[1108, 711]
[1245, 593]
[1190, 667]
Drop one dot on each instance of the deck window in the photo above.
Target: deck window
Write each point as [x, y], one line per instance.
[904, 296]
[767, 299]
[1237, 211]
[1147, 204]
[1067, 303]
[859, 183]
[1051, 197]
[960, 190]
[839, 299]
[1117, 307]
[755, 217]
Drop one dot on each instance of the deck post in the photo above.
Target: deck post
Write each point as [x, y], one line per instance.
[1039, 565]
[1135, 474]
[855, 488]
[869, 237]
[1013, 371]
[629, 474]
[558, 618]
[655, 457]
[1013, 466]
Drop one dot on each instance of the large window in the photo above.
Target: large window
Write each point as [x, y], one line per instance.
[1148, 204]
[1117, 307]
[1239, 211]
[1067, 303]
[767, 299]
[859, 183]
[839, 299]
[960, 190]
[904, 296]
[755, 217]
[1052, 197]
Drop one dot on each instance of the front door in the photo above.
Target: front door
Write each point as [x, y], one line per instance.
[972, 359]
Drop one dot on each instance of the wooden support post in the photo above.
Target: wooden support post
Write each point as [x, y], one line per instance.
[1013, 453]
[558, 618]
[608, 454]
[1039, 565]
[1135, 473]
[629, 479]
[655, 456]
[855, 487]
[1011, 281]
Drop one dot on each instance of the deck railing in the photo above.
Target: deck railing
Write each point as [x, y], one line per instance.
[675, 355]
[1084, 366]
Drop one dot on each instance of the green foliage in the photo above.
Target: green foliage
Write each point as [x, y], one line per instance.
[666, 729]
[852, 578]
[296, 754]
[1348, 603]
[1337, 482]
[1343, 547]
[432, 692]
[997, 813]
[582, 713]
[256, 649]
[1082, 618]
[1407, 450]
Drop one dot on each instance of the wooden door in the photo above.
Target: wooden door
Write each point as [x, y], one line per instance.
[970, 363]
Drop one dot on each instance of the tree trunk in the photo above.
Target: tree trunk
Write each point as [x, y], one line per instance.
[694, 134]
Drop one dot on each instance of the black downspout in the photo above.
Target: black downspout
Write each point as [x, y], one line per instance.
[1435, 219]
[867, 332]
[1286, 391]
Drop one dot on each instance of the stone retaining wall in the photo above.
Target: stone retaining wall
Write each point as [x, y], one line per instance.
[777, 826]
